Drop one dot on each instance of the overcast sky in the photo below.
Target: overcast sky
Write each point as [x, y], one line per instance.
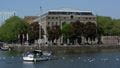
[32, 7]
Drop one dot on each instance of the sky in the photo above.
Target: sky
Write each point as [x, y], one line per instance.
[32, 7]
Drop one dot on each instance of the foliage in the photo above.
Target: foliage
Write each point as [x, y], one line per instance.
[90, 31]
[33, 32]
[109, 26]
[15, 26]
[67, 30]
[11, 28]
[54, 32]
[78, 31]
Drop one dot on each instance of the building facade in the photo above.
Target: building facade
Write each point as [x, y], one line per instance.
[58, 17]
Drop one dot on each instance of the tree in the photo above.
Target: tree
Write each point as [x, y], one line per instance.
[11, 28]
[90, 31]
[116, 27]
[78, 30]
[106, 23]
[100, 32]
[54, 33]
[35, 32]
[67, 32]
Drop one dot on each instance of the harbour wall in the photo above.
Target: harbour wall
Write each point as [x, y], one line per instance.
[67, 49]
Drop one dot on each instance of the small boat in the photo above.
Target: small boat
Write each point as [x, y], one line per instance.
[35, 56]
[4, 48]
[46, 53]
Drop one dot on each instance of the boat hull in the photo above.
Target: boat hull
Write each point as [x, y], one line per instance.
[35, 59]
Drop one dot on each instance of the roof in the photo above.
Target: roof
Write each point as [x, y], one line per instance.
[67, 10]
[63, 10]
[30, 17]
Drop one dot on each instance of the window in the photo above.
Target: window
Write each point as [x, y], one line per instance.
[90, 18]
[52, 23]
[94, 18]
[64, 17]
[56, 17]
[71, 17]
[52, 17]
[86, 18]
[48, 23]
[48, 17]
[56, 23]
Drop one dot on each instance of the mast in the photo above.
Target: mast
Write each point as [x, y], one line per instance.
[40, 25]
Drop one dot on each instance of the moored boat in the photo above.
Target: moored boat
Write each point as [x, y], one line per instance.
[35, 56]
[4, 48]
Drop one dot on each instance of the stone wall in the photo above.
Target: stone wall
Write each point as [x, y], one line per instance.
[111, 40]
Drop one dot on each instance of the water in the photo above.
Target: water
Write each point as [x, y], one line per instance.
[89, 60]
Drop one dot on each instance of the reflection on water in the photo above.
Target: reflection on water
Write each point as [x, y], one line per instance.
[89, 60]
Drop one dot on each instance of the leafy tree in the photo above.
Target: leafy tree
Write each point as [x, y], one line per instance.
[90, 31]
[116, 27]
[54, 33]
[11, 28]
[67, 32]
[78, 30]
[35, 32]
[100, 32]
[106, 23]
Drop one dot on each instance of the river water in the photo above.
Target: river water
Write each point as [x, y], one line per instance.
[88, 60]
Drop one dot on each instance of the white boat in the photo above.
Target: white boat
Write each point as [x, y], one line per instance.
[4, 48]
[35, 56]
[46, 53]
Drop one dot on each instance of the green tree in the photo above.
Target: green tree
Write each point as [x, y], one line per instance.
[106, 23]
[11, 28]
[116, 27]
[100, 32]
[67, 32]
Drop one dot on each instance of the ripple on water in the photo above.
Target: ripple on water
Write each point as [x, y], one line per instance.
[78, 57]
[117, 59]
[63, 58]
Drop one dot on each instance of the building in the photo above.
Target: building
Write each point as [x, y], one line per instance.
[57, 17]
[60, 16]
[30, 19]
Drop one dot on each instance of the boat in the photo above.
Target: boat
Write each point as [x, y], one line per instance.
[35, 56]
[4, 48]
